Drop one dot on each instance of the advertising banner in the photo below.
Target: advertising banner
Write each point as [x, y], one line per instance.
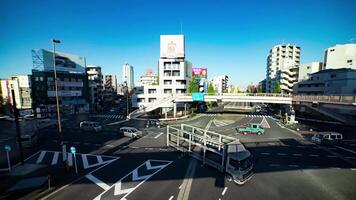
[200, 72]
[198, 96]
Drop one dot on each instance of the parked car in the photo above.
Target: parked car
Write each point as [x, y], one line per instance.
[29, 140]
[327, 138]
[90, 126]
[131, 132]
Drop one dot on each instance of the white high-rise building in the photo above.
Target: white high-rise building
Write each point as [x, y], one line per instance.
[174, 72]
[340, 56]
[282, 66]
[128, 75]
[306, 69]
[21, 84]
[220, 83]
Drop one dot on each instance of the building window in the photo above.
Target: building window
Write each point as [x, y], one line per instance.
[349, 62]
[331, 50]
[151, 100]
[176, 73]
[50, 78]
[167, 91]
[167, 82]
[152, 91]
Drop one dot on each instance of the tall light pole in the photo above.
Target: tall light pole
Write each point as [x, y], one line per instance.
[127, 97]
[64, 154]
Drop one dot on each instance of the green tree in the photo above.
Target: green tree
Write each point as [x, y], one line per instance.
[259, 89]
[211, 89]
[277, 87]
[193, 86]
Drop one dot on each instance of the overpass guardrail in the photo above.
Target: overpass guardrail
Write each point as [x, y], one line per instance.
[335, 99]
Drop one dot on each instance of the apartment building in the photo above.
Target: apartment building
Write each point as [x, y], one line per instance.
[128, 75]
[340, 56]
[21, 84]
[174, 72]
[282, 66]
[306, 69]
[96, 87]
[220, 83]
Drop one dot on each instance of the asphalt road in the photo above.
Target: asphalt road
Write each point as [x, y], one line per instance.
[287, 166]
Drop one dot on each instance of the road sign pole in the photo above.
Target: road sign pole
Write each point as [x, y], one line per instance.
[75, 164]
[16, 114]
[8, 161]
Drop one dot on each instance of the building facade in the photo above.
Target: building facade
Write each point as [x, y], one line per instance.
[174, 72]
[306, 69]
[96, 87]
[220, 83]
[128, 75]
[110, 87]
[148, 79]
[21, 84]
[282, 66]
[340, 56]
[329, 81]
[72, 84]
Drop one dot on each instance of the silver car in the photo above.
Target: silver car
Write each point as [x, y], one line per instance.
[131, 132]
[90, 126]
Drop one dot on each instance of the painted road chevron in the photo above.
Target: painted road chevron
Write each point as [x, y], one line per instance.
[127, 184]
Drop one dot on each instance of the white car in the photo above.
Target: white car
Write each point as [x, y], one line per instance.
[131, 132]
[327, 138]
[90, 126]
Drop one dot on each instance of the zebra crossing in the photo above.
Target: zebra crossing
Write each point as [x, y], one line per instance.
[84, 161]
[255, 115]
[207, 114]
[107, 116]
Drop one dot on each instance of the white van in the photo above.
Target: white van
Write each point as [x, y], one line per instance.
[131, 132]
[90, 126]
[327, 138]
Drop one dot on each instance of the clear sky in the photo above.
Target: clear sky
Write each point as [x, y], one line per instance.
[228, 37]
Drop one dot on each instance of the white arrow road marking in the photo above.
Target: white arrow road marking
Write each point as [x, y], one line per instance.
[41, 156]
[86, 165]
[55, 158]
[98, 182]
[118, 185]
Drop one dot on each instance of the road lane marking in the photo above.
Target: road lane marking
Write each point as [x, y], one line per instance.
[98, 182]
[331, 156]
[223, 192]
[350, 157]
[293, 165]
[297, 154]
[349, 150]
[86, 143]
[110, 145]
[55, 158]
[40, 158]
[97, 145]
[180, 186]
[281, 154]
[170, 198]
[274, 165]
[121, 187]
[353, 169]
[314, 155]
[157, 136]
[265, 154]
[188, 179]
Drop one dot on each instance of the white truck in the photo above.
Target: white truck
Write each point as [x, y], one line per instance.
[227, 154]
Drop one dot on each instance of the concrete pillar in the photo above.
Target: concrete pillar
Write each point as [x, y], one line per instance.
[174, 109]
[185, 109]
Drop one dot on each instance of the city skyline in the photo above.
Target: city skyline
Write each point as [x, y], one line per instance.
[226, 34]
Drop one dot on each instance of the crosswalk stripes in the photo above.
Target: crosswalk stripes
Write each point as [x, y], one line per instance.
[207, 114]
[84, 161]
[253, 115]
[107, 116]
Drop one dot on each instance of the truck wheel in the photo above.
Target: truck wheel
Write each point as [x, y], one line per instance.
[228, 177]
[259, 133]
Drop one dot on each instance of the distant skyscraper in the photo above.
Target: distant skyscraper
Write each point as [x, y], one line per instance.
[128, 75]
[282, 66]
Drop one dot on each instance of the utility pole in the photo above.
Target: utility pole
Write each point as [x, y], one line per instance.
[16, 113]
[64, 154]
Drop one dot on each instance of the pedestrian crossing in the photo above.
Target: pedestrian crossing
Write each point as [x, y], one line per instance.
[253, 115]
[107, 116]
[206, 114]
[84, 161]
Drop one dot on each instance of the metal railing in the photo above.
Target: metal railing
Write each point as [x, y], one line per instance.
[337, 99]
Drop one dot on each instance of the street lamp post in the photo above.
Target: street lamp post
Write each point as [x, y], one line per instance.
[64, 154]
[127, 97]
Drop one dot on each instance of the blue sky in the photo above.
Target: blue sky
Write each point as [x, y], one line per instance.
[228, 37]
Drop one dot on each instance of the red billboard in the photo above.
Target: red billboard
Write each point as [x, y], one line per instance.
[200, 72]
